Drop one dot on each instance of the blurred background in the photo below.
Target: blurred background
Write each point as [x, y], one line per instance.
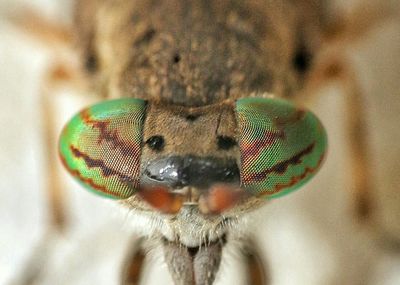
[310, 237]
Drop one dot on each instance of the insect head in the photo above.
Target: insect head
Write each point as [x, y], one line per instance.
[280, 147]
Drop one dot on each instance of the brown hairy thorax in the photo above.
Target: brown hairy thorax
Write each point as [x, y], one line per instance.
[195, 53]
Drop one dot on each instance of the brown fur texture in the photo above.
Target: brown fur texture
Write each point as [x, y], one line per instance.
[195, 53]
[197, 135]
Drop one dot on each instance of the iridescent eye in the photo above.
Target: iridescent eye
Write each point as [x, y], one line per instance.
[281, 146]
[101, 147]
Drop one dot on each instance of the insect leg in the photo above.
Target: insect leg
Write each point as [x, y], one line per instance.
[133, 265]
[255, 266]
[335, 67]
[58, 74]
[44, 31]
[63, 68]
[333, 64]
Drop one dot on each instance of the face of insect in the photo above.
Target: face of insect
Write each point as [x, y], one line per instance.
[212, 156]
[194, 152]
[198, 166]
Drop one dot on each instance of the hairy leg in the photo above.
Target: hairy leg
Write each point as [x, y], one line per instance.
[256, 267]
[333, 64]
[63, 70]
[337, 68]
[133, 265]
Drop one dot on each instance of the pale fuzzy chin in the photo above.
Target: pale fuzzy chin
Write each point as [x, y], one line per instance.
[188, 227]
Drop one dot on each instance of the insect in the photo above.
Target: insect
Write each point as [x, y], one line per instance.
[201, 129]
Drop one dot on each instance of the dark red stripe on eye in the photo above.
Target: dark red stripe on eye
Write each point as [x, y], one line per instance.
[112, 137]
[255, 147]
[279, 168]
[88, 181]
[105, 170]
[295, 179]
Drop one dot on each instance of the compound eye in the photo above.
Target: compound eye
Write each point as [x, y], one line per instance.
[101, 147]
[281, 146]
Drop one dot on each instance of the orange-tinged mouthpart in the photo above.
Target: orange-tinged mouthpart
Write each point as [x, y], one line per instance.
[220, 198]
[162, 199]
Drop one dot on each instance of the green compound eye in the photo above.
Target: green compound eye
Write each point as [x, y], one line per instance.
[101, 147]
[281, 146]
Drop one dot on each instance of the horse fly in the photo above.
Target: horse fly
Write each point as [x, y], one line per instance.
[200, 119]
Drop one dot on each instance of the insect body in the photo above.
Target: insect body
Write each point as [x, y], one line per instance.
[196, 124]
[196, 137]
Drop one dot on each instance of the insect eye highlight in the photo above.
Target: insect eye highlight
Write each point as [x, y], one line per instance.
[225, 142]
[156, 143]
